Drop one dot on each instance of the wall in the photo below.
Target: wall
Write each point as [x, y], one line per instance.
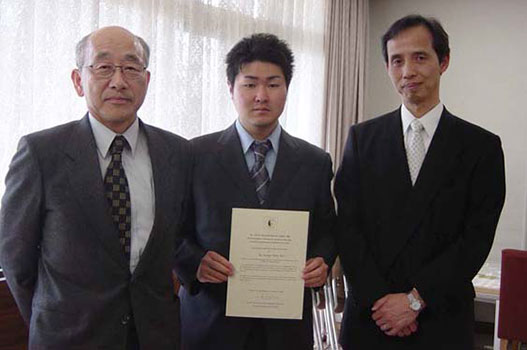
[486, 84]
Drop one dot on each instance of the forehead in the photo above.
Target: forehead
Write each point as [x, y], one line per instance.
[260, 70]
[114, 44]
[413, 39]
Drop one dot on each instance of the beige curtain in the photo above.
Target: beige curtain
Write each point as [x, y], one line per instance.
[345, 45]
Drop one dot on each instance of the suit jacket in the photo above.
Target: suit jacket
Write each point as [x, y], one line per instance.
[433, 236]
[221, 181]
[60, 250]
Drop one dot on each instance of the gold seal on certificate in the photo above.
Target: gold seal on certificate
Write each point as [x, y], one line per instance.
[268, 251]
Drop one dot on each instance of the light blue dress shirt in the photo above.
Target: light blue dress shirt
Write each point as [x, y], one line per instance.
[247, 140]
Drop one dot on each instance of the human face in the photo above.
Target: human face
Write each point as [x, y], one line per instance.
[259, 94]
[415, 70]
[113, 101]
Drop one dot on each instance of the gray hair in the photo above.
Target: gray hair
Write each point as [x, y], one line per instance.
[80, 50]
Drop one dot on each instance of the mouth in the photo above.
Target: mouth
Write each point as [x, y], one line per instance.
[411, 86]
[117, 100]
[261, 110]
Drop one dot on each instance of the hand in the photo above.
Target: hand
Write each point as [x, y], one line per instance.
[315, 272]
[214, 268]
[406, 331]
[392, 314]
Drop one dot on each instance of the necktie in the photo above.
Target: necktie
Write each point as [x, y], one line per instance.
[415, 151]
[259, 172]
[118, 194]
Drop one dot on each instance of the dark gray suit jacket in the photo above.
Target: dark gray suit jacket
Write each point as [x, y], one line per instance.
[60, 252]
[434, 236]
[301, 181]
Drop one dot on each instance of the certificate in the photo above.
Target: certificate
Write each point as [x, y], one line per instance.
[268, 251]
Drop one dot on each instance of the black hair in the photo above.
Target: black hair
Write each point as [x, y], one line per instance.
[260, 47]
[439, 35]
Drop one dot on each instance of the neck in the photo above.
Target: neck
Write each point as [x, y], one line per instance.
[260, 133]
[420, 109]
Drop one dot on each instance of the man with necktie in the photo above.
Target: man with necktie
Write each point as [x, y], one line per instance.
[252, 164]
[419, 195]
[92, 210]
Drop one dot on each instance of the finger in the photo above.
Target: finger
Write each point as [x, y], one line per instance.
[207, 274]
[318, 273]
[313, 264]
[314, 282]
[219, 259]
[378, 304]
[413, 327]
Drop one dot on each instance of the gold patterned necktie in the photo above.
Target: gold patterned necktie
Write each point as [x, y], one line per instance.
[259, 172]
[118, 194]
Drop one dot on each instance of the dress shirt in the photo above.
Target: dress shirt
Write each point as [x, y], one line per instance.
[430, 122]
[138, 170]
[247, 140]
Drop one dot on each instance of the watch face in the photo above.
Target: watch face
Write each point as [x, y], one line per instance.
[415, 305]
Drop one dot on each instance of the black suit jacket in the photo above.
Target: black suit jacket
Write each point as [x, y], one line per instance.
[433, 236]
[60, 250]
[301, 181]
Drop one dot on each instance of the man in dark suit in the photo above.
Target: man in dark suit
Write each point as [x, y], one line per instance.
[419, 193]
[92, 209]
[226, 175]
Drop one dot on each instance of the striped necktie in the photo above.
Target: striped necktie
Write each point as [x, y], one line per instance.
[259, 172]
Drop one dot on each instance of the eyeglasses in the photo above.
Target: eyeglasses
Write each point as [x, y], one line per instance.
[107, 70]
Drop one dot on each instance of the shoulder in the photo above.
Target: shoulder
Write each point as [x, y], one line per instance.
[469, 132]
[378, 123]
[164, 135]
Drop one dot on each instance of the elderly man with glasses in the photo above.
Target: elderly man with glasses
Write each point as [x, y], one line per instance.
[92, 210]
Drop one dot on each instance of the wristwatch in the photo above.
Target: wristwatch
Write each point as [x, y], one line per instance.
[415, 304]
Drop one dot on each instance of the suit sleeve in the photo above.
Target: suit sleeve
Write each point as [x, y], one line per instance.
[461, 261]
[367, 282]
[20, 226]
[323, 244]
[188, 252]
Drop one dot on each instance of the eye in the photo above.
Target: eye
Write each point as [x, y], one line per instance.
[102, 67]
[132, 69]
[421, 57]
[274, 85]
[396, 62]
[249, 85]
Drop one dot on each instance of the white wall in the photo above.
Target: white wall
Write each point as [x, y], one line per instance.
[486, 84]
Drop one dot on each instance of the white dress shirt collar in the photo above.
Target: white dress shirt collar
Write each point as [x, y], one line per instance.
[430, 120]
[104, 136]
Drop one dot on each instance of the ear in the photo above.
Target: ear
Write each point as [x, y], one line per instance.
[231, 87]
[444, 64]
[147, 77]
[76, 78]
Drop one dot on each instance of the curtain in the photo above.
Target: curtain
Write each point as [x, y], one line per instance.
[189, 39]
[345, 47]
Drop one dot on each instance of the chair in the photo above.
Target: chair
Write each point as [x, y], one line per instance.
[512, 319]
[13, 331]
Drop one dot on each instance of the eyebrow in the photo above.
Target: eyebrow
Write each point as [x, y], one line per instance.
[128, 57]
[272, 77]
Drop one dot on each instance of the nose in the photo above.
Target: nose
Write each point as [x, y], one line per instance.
[117, 80]
[262, 94]
[409, 70]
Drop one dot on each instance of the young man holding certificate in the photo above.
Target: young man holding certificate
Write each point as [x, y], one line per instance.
[255, 165]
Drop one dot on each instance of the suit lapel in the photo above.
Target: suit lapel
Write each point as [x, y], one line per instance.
[441, 156]
[287, 165]
[232, 161]
[87, 184]
[167, 173]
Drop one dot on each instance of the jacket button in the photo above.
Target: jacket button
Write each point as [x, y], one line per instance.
[125, 320]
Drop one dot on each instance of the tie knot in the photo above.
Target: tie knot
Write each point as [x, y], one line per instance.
[416, 125]
[260, 149]
[118, 144]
